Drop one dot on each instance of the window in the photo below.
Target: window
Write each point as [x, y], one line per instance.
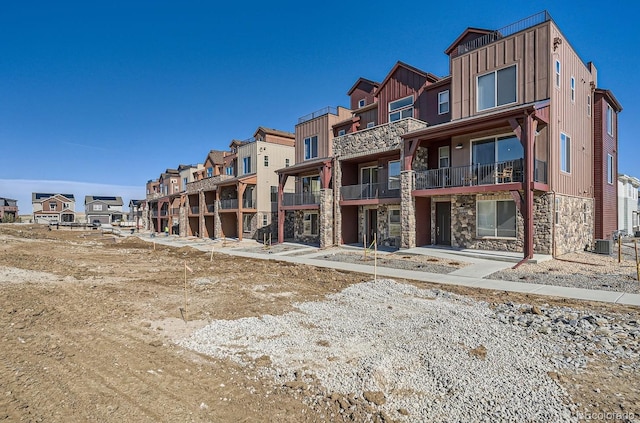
[341, 132]
[371, 124]
[311, 184]
[496, 218]
[286, 162]
[609, 120]
[497, 88]
[557, 211]
[246, 165]
[610, 168]
[394, 222]
[246, 222]
[565, 153]
[369, 175]
[266, 161]
[274, 193]
[400, 109]
[265, 220]
[311, 147]
[443, 157]
[310, 223]
[362, 103]
[184, 182]
[588, 105]
[443, 102]
[558, 73]
[209, 172]
[573, 89]
[97, 207]
[496, 150]
[394, 175]
[53, 206]
[229, 171]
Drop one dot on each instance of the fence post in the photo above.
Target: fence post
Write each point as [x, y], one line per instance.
[635, 245]
[619, 248]
[375, 257]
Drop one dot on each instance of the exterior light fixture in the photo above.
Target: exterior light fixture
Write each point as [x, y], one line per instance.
[459, 146]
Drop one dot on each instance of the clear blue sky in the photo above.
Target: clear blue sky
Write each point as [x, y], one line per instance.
[114, 92]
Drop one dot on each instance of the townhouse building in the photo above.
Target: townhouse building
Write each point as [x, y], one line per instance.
[138, 213]
[201, 194]
[8, 210]
[163, 200]
[628, 204]
[103, 209]
[53, 208]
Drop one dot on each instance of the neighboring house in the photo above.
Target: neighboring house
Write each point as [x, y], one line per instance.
[103, 209]
[8, 210]
[627, 203]
[53, 208]
[305, 196]
[248, 199]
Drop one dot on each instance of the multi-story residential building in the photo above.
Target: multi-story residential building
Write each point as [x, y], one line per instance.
[163, 199]
[138, 213]
[8, 210]
[305, 189]
[248, 199]
[628, 203]
[103, 209]
[201, 194]
[53, 208]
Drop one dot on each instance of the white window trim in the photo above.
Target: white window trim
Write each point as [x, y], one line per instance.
[401, 109]
[362, 102]
[443, 102]
[557, 70]
[556, 212]
[495, 94]
[609, 119]
[496, 228]
[568, 172]
[371, 124]
[610, 170]
[589, 105]
[440, 156]
[389, 175]
[573, 89]
[310, 139]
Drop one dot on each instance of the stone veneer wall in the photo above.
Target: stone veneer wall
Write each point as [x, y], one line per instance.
[299, 235]
[420, 162]
[463, 225]
[325, 218]
[575, 227]
[364, 142]
[407, 210]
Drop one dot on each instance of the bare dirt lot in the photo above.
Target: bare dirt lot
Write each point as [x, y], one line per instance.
[90, 323]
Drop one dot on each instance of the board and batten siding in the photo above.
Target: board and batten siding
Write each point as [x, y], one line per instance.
[571, 118]
[529, 50]
[267, 176]
[403, 83]
[606, 221]
[321, 126]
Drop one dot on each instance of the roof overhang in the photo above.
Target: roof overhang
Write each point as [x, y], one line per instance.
[305, 166]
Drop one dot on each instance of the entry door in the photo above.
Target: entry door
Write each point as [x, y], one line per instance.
[443, 223]
[371, 224]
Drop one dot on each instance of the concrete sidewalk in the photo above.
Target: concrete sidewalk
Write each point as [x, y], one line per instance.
[470, 276]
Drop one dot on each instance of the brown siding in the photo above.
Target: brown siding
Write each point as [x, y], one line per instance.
[321, 126]
[368, 116]
[428, 105]
[606, 195]
[402, 84]
[364, 90]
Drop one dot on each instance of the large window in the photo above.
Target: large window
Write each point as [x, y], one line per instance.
[229, 171]
[443, 157]
[246, 165]
[311, 147]
[369, 175]
[400, 109]
[443, 102]
[565, 153]
[610, 168]
[497, 88]
[496, 150]
[311, 184]
[246, 222]
[394, 222]
[609, 120]
[496, 218]
[394, 175]
[310, 223]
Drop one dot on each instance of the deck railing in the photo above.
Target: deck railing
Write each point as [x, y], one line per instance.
[231, 203]
[318, 113]
[195, 209]
[300, 199]
[368, 191]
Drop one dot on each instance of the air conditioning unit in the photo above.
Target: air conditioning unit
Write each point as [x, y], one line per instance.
[603, 246]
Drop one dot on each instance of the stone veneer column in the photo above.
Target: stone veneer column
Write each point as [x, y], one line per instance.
[201, 220]
[326, 218]
[217, 223]
[407, 210]
[337, 220]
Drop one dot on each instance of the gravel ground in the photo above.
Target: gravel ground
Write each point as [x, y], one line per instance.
[398, 261]
[580, 270]
[424, 355]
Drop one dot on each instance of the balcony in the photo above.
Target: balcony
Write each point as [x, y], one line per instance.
[477, 175]
[195, 209]
[318, 113]
[228, 204]
[368, 192]
[209, 208]
[248, 203]
[175, 211]
[300, 199]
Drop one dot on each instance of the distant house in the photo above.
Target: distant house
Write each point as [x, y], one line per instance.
[102, 209]
[8, 210]
[628, 203]
[53, 208]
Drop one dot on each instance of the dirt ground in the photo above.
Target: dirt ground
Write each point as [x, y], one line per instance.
[88, 323]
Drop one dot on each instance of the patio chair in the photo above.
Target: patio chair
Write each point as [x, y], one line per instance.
[504, 175]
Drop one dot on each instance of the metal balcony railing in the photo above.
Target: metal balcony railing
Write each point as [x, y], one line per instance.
[368, 191]
[231, 203]
[209, 208]
[195, 209]
[300, 198]
[318, 113]
[248, 203]
[482, 174]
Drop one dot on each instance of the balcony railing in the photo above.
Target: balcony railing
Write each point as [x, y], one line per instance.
[231, 203]
[300, 199]
[195, 209]
[368, 191]
[154, 213]
[318, 113]
[248, 203]
[508, 30]
[483, 174]
[209, 208]
[164, 213]
[175, 211]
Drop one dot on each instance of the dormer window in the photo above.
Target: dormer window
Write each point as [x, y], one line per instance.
[401, 109]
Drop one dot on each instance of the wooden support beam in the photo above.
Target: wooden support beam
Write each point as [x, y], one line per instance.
[517, 198]
[282, 180]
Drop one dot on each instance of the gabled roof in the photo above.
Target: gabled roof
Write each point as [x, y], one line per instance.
[237, 143]
[611, 99]
[7, 201]
[466, 32]
[109, 200]
[136, 202]
[216, 156]
[272, 131]
[375, 84]
[429, 76]
[38, 197]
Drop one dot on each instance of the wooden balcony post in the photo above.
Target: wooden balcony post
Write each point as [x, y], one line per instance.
[282, 180]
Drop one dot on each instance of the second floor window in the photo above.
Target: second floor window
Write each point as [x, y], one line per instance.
[443, 157]
[209, 172]
[558, 68]
[229, 171]
[97, 207]
[246, 165]
[610, 168]
[565, 153]
[443, 102]
[401, 109]
[497, 88]
[53, 206]
[286, 162]
[394, 175]
[609, 120]
[362, 103]
[266, 161]
[311, 147]
[184, 182]
[573, 89]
